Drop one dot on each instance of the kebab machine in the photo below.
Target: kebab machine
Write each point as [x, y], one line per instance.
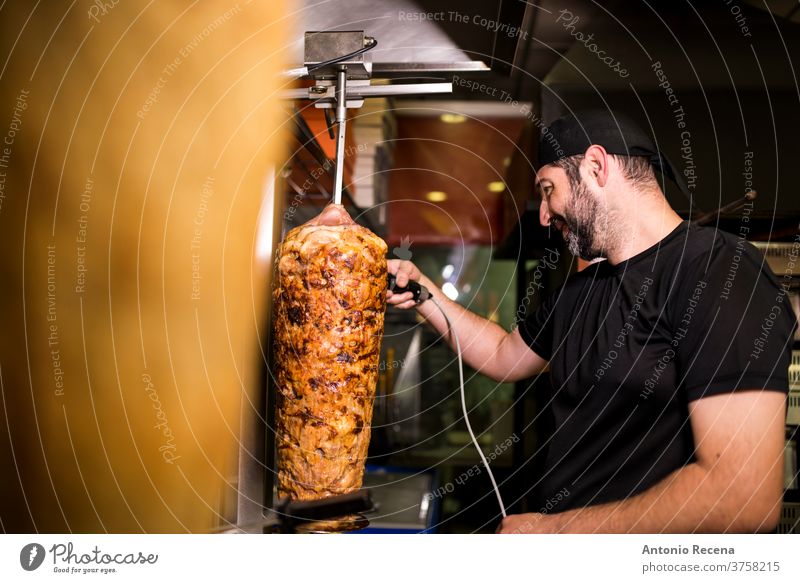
[329, 304]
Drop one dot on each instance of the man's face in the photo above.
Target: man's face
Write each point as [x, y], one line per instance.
[571, 209]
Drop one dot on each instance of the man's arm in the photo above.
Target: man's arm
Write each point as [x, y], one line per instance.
[735, 484]
[485, 346]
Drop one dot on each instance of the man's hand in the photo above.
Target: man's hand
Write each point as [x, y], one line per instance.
[404, 271]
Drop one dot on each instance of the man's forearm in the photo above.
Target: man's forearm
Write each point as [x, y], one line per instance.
[691, 499]
[479, 337]
[672, 505]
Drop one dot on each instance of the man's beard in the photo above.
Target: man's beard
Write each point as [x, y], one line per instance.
[580, 216]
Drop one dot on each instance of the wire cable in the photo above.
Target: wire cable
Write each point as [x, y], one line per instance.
[346, 57]
[464, 406]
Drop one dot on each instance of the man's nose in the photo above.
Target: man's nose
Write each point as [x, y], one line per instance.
[544, 214]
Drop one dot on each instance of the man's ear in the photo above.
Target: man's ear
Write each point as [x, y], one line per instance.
[597, 160]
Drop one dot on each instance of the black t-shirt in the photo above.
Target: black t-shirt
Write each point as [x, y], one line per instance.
[630, 345]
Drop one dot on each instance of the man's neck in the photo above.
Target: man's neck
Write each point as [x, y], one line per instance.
[644, 225]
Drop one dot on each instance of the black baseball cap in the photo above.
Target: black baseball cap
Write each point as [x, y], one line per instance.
[572, 134]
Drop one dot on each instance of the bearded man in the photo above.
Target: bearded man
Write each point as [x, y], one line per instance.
[668, 356]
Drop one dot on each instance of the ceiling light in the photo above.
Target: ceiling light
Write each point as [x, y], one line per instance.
[496, 186]
[448, 271]
[436, 196]
[453, 118]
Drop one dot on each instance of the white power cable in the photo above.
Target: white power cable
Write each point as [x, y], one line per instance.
[464, 406]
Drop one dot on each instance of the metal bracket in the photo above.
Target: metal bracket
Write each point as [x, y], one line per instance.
[324, 92]
[351, 85]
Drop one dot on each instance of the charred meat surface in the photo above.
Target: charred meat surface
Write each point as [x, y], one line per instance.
[330, 300]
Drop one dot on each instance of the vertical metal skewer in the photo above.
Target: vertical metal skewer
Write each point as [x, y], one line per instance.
[341, 115]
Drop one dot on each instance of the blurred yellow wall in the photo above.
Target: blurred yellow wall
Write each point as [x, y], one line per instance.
[136, 141]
